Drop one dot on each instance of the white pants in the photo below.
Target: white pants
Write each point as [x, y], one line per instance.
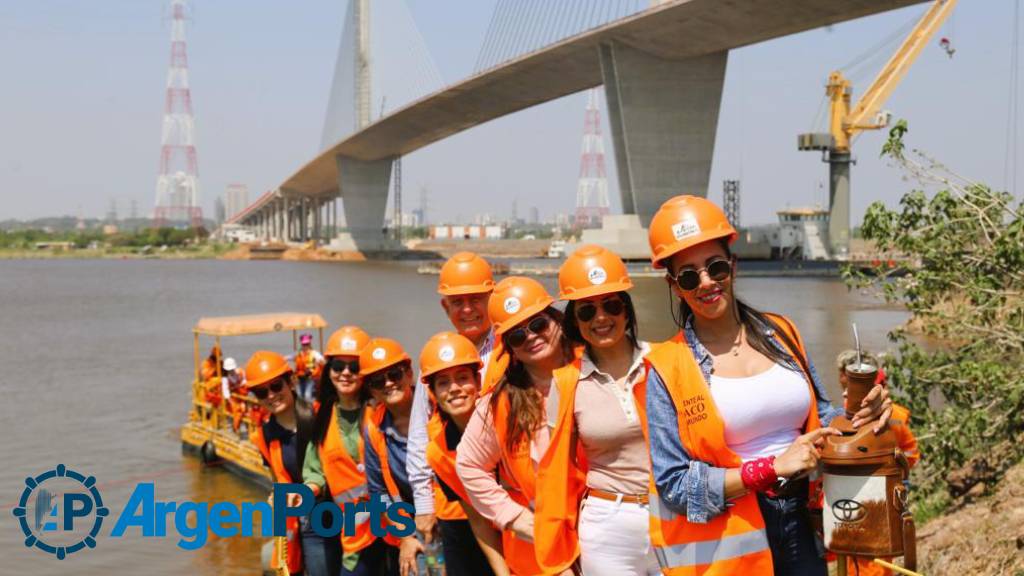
[614, 539]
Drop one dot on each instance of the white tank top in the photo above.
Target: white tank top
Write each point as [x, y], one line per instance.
[763, 413]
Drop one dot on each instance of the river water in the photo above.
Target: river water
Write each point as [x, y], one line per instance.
[97, 359]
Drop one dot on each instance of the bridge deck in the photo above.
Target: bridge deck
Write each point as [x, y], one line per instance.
[675, 30]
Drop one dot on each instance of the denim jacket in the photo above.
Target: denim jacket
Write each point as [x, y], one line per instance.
[688, 486]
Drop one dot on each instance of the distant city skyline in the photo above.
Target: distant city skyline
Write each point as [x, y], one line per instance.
[85, 94]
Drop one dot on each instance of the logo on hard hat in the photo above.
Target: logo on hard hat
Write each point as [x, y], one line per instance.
[512, 305]
[379, 353]
[446, 354]
[686, 228]
[597, 275]
[348, 344]
[847, 510]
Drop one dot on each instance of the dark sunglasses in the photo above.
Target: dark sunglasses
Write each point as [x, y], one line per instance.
[378, 380]
[517, 337]
[586, 311]
[338, 365]
[718, 270]
[262, 392]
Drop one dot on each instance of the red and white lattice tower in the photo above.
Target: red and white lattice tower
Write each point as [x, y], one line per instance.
[177, 186]
[592, 191]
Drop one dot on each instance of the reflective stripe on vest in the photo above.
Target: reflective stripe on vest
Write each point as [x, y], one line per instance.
[712, 551]
[346, 480]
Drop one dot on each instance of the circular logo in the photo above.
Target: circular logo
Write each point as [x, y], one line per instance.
[597, 275]
[512, 305]
[379, 354]
[348, 344]
[847, 510]
[60, 512]
[446, 354]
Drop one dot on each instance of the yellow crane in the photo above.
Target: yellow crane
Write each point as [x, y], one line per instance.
[846, 122]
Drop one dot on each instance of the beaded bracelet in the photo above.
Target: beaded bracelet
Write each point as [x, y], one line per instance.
[759, 475]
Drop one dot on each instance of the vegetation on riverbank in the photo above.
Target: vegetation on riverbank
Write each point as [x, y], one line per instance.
[966, 389]
[170, 243]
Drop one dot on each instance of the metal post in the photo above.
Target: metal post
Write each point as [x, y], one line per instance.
[839, 203]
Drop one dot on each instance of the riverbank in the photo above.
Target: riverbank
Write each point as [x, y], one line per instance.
[985, 536]
[202, 252]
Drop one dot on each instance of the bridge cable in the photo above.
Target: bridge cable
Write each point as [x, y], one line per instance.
[488, 38]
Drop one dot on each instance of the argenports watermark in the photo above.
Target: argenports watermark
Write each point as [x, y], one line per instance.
[61, 512]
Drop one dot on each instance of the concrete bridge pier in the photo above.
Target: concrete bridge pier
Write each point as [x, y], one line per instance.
[663, 115]
[364, 189]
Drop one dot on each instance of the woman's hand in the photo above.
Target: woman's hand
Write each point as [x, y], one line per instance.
[802, 455]
[876, 407]
[408, 548]
[522, 526]
[425, 525]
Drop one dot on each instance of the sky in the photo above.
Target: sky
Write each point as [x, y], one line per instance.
[83, 93]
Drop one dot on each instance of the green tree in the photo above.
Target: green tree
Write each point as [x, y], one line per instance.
[963, 283]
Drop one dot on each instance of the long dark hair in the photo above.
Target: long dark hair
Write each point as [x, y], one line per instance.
[526, 405]
[754, 323]
[571, 326]
[327, 396]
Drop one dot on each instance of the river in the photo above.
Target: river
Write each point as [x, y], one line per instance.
[97, 358]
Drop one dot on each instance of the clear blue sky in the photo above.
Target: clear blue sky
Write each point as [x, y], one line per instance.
[83, 96]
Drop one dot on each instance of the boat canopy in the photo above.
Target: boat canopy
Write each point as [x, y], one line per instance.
[258, 323]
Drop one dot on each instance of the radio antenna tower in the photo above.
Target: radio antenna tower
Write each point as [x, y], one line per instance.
[592, 191]
[177, 185]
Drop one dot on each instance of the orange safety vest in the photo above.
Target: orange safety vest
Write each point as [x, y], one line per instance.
[562, 478]
[305, 364]
[378, 443]
[735, 541]
[346, 479]
[904, 436]
[272, 454]
[518, 476]
[497, 363]
[441, 460]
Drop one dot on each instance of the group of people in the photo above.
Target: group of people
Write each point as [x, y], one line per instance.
[542, 438]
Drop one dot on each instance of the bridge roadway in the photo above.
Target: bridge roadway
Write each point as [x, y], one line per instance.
[662, 70]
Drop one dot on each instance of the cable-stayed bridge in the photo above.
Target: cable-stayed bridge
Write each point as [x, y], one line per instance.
[662, 68]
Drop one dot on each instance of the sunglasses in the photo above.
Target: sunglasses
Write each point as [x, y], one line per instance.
[338, 365]
[586, 311]
[378, 380]
[517, 337]
[262, 392]
[718, 270]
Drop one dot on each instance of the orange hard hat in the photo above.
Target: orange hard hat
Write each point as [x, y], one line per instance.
[465, 273]
[380, 353]
[346, 341]
[515, 299]
[590, 271]
[445, 350]
[264, 367]
[685, 221]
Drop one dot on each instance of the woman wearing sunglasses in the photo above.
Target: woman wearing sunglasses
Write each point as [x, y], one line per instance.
[334, 458]
[386, 371]
[507, 430]
[450, 368]
[282, 441]
[734, 413]
[592, 410]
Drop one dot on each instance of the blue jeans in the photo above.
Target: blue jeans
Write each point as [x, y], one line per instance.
[320, 556]
[790, 536]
